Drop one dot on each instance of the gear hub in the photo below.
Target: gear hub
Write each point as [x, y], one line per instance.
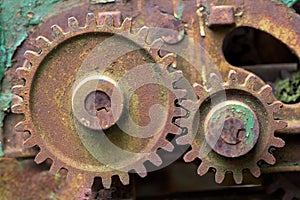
[92, 105]
[231, 129]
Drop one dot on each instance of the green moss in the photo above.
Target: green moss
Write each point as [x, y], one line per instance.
[16, 18]
[288, 90]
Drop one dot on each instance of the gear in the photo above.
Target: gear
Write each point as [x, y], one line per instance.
[61, 121]
[236, 125]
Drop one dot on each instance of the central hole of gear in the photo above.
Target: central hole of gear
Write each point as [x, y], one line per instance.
[233, 130]
[97, 101]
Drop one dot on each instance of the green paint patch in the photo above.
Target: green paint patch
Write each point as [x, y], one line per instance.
[288, 90]
[16, 18]
[179, 10]
[1, 150]
[249, 121]
[289, 3]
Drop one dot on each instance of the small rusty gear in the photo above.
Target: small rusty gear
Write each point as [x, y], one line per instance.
[236, 125]
[45, 98]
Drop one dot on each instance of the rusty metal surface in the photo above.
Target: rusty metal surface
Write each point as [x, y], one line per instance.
[207, 22]
[45, 107]
[263, 104]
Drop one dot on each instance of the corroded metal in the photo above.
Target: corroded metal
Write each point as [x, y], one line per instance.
[97, 102]
[221, 16]
[274, 18]
[48, 99]
[259, 103]
[231, 128]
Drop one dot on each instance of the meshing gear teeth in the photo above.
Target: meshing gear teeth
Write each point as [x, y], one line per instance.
[86, 169]
[207, 142]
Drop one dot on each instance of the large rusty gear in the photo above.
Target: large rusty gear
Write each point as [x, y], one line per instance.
[46, 96]
[237, 132]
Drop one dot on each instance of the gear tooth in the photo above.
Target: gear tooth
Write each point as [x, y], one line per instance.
[167, 146]
[155, 159]
[88, 180]
[40, 157]
[42, 42]
[276, 106]
[203, 168]
[255, 170]
[126, 25]
[70, 176]
[20, 127]
[199, 90]
[18, 108]
[141, 170]
[278, 142]
[57, 32]
[142, 35]
[250, 81]
[30, 142]
[90, 20]
[269, 158]
[280, 124]
[215, 81]
[55, 167]
[183, 140]
[31, 55]
[177, 75]
[109, 20]
[16, 100]
[73, 24]
[232, 78]
[190, 156]
[169, 59]
[22, 72]
[18, 90]
[156, 44]
[180, 93]
[124, 178]
[183, 122]
[175, 130]
[106, 181]
[238, 177]
[179, 112]
[219, 177]
[105, 19]
[266, 92]
[189, 105]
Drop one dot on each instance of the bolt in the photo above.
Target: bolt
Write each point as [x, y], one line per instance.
[231, 129]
